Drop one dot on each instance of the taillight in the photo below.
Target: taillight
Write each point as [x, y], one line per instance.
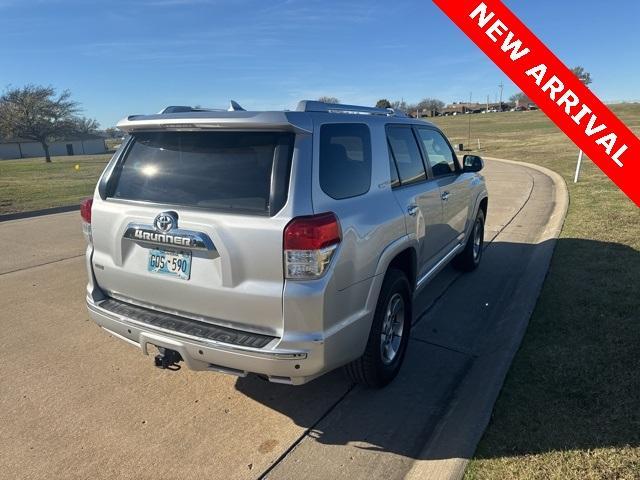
[85, 209]
[309, 245]
[85, 213]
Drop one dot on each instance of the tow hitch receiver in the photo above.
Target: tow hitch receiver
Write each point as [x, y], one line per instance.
[167, 359]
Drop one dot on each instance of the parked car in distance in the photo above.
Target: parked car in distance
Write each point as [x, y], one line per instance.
[283, 244]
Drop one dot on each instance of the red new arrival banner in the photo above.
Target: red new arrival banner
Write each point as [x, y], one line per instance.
[552, 86]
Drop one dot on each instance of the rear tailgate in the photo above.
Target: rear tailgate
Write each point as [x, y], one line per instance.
[221, 188]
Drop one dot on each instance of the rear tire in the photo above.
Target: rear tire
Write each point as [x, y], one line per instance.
[469, 259]
[389, 334]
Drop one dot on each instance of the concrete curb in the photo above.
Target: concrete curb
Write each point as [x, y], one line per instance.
[38, 213]
[470, 410]
[556, 221]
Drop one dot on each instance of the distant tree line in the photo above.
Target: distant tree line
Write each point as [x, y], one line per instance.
[423, 106]
[433, 105]
[426, 105]
[521, 98]
[39, 114]
[332, 100]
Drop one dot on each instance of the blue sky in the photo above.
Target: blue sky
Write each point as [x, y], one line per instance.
[136, 56]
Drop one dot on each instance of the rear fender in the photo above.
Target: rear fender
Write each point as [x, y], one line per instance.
[387, 256]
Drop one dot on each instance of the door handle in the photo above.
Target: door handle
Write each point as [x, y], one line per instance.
[445, 196]
[412, 210]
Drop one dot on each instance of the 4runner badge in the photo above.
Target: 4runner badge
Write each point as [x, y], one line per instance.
[165, 231]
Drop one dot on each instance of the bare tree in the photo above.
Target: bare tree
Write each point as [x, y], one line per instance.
[383, 103]
[430, 105]
[325, 99]
[517, 98]
[582, 74]
[86, 125]
[36, 113]
[408, 108]
[400, 105]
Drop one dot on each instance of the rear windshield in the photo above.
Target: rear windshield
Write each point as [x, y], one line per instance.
[236, 171]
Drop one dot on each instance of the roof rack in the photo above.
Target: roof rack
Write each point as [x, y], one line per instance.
[315, 106]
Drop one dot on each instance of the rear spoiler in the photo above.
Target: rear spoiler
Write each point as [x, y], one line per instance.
[218, 120]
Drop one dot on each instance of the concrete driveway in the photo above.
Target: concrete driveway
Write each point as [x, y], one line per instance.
[77, 403]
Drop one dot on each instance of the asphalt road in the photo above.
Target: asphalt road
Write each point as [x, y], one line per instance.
[77, 403]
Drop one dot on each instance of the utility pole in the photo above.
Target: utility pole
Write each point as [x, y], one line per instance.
[470, 98]
[487, 103]
[501, 87]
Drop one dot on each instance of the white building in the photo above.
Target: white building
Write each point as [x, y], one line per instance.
[83, 144]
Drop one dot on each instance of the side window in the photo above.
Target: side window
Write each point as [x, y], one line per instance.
[440, 155]
[345, 159]
[395, 180]
[406, 154]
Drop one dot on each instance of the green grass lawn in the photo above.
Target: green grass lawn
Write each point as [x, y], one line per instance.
[32, 184]
[570, 406]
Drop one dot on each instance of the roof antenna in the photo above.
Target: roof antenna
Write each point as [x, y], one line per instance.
[235, 107]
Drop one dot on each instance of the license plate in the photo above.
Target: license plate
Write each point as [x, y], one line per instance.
[175, 264]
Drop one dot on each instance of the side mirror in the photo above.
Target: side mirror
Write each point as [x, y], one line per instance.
[472, 163]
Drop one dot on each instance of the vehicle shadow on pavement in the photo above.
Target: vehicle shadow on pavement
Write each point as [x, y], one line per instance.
[574, 384]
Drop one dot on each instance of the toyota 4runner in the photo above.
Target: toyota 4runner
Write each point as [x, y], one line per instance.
[284, 244]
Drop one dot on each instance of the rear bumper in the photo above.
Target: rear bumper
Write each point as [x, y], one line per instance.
[281, 365]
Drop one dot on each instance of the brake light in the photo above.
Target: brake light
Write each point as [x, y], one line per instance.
[85, 213]
[309, 245]
[85, 209]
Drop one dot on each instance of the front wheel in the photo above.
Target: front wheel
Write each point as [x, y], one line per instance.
[469, 259]
[389, 335]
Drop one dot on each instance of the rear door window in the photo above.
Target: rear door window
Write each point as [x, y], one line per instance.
[345, 159]
[404, 149]
[230, 171]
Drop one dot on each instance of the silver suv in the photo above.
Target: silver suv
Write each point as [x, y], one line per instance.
[284, 244]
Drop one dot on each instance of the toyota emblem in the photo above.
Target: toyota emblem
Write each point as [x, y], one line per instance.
[166, 221]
